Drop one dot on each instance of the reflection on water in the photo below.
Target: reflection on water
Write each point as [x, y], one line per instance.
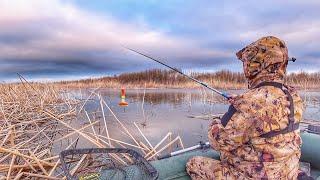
[167, 110]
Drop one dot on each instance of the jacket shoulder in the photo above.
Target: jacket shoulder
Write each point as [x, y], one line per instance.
[265, 98]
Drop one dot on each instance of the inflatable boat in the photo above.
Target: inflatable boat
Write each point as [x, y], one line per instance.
[173, 166]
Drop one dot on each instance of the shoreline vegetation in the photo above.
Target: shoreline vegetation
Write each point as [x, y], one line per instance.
[158, 78]
[38, 121]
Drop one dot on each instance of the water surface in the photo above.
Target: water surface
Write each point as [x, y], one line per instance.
[159, 111]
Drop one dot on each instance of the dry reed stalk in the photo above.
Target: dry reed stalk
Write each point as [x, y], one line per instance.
[58, 161]
[42, 153]
[120, 142]
[6, 137]
[29, 140]
[19, 175]
[145, 138]
[154, 149]
[104, 119]
[181, 143]
[146, 147]
[98, 144]
[5, 167]
[124, 155]
[51, 158]
[162, 149]
[85, 102]
[29, 164]
[121, 124]
[17, 153]
[93, 130]
[74, 170]
[12, 137]
[170, 139]
[10, 168]
[74, 132]
[142, 105]
[23, 81]
[38, 162]
[4, 157]
[40, 176]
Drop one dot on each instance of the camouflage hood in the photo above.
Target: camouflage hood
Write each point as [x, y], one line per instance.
[264, 60]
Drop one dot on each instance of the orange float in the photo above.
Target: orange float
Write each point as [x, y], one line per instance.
[123, 102]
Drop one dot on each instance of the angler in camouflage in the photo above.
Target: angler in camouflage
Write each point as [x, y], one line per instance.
[258, 138]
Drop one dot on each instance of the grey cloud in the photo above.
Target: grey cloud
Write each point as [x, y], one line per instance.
[16, 31]
[201, 35]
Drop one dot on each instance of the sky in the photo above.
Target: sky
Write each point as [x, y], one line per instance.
[46, 40]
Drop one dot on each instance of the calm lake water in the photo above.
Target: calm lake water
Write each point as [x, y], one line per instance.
[159, 111]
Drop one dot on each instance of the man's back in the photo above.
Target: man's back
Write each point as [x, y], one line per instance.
[258, 137]
[244, 151]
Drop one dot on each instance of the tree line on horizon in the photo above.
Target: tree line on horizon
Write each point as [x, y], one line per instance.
[170, 78]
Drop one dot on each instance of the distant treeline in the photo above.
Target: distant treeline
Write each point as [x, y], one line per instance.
[158, 78]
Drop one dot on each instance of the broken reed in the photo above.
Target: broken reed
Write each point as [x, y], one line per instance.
[36, 119]
[158, 78]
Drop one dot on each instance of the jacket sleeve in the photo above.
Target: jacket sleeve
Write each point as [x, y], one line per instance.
[241, 127]
[233, 135]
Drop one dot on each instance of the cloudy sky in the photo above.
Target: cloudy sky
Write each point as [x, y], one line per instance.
[70, 39]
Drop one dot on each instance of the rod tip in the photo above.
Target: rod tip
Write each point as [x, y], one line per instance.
[293, 59]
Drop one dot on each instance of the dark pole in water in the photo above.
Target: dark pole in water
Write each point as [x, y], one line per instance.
[175, 69]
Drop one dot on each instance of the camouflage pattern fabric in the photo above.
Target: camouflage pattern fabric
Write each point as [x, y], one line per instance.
[243, 153]
[264, 60]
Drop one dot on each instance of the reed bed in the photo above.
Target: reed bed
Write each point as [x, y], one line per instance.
[158, 78]
[28, 129]
[38, 121]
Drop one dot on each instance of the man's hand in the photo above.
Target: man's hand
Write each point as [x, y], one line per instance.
[215, 121]
[232, 98]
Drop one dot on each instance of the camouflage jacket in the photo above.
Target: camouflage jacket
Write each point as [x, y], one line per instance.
[244, 153]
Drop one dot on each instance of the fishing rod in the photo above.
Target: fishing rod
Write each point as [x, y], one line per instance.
[225, 95]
